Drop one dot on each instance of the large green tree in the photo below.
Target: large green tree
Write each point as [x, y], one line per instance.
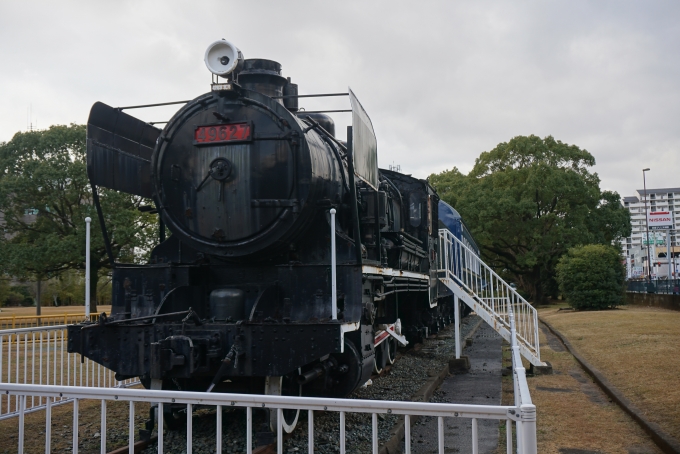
[527, 202]
[45, 197]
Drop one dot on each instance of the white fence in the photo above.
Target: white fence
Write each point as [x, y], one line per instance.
[524, 415]
[38, 356]
[493, 298]
[57, 377]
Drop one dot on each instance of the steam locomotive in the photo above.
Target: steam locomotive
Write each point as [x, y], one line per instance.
[248, 293]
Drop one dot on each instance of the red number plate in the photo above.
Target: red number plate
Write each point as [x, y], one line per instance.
[236, 132]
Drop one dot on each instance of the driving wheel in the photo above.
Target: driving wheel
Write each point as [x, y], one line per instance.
[283, 386]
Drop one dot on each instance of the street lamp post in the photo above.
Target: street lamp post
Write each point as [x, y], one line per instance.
[649, 255]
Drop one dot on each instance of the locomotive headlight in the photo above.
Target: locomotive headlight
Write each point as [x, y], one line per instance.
[222, 58]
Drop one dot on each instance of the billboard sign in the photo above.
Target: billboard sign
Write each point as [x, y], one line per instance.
[660, 220]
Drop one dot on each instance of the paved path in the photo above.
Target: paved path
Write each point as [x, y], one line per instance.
[481, 386]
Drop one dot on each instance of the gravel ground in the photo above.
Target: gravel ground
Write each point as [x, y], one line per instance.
[400, 383]
[89, 437]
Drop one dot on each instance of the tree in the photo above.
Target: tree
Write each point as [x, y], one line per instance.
[592, 277]
[527, 202]
[45, 196]
[6, 291]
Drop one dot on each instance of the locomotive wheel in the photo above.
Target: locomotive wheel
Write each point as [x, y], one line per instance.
[391, 350]
[346, 377]
[380, 358]
[283, 386]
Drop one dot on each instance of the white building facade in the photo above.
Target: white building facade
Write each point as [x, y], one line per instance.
[635, 246]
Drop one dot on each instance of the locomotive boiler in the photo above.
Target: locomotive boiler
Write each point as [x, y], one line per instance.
[246, 294]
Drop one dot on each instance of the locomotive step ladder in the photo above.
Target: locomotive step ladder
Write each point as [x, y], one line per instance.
[477, 285]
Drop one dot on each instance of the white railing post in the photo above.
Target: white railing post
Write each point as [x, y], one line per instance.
[456, 321]
[102, 430]
[279, 431]
[538, 350]
[513, 351]
[475, 437]
[88, 221]
[342, 432]
[407, 434]
[159, 429]
[218, 429]
[48, 425]
[440, 434]
[131, 428]
[190, 429]
[75, 426]
[249, 430]
[22, 407]
[374, 437]
[310, 429]
[334, 296]
[519, 434]
[528, 429]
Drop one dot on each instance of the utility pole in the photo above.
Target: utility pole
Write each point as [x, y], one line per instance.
[668, 251]
[649, 255]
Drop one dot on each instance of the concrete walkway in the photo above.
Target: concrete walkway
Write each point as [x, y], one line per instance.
[480, 386]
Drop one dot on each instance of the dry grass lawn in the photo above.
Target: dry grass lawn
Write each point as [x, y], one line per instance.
[49, 310]
[573, 414]
[636, 348]
[24, 317]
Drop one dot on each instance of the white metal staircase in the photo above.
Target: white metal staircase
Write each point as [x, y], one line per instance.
[478, 286]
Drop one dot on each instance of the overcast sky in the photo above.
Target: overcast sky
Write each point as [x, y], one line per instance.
[442, 81]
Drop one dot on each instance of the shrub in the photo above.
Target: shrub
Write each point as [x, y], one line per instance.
[592, 277]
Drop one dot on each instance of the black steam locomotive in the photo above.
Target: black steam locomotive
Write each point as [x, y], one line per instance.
[245, 295]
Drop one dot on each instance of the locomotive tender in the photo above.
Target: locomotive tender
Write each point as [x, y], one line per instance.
[240, 297]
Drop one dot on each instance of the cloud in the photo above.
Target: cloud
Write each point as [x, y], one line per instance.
[443, 81]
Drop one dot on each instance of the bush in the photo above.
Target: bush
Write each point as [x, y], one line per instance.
[592, 277]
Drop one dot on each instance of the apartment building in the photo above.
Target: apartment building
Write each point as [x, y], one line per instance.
[635, 246]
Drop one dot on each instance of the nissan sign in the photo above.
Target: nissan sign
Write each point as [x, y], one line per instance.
[660, 220]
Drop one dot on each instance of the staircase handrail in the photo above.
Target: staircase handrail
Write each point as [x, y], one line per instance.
[498, 298]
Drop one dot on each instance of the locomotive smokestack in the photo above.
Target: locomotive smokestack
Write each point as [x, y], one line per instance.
[263, 76]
